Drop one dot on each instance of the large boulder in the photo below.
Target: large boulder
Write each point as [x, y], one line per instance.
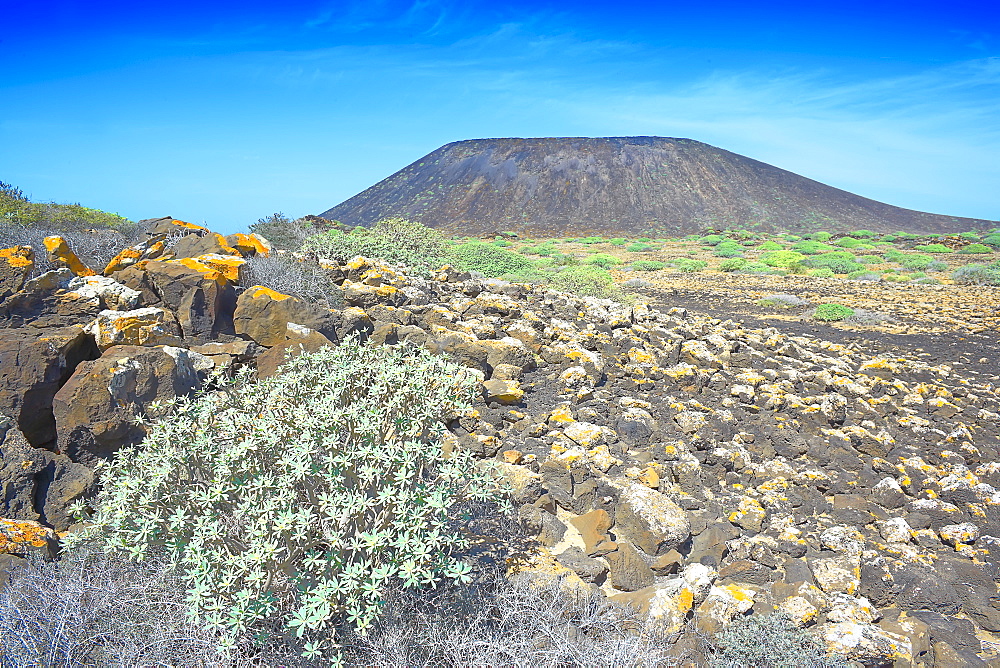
[95, 410]
[33, 366]
[651, 520]
[61, 255]
[263, 315]
[201, 296]
[193, 245]
[48, 301]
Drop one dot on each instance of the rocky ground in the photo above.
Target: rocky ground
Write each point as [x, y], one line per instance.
[696, 467]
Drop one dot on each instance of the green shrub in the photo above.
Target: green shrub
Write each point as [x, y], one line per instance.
[603, 260]
[648, 265]
[840, 262]
[863, 234]
[395, 240]
[870, 259]
[933, 248]
[756, 268]
[640, 247]
[864, 275]
[823, 272]
[710, 240]
[832, 312]
[893, 277]
[733, 264]
[906, 236]
[770, 246]
[992, 240]
[618, 241]
[489, 259]
[915, 261]
[811, 247]
[851, 242]
[301, 496]
[819, 236]
[781, 258]
[728, 248]
[976, 274]
[936, 265]
[586, 281]
[888, 238]
[894, 255]
[976, 248]
[770, 641]
[592, 240]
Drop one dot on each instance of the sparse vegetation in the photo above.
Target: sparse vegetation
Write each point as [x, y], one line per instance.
[770, 641]
[488, 259]
[395, 240]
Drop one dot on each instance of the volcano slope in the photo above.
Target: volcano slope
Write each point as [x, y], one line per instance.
[698, 469]
[651, 186]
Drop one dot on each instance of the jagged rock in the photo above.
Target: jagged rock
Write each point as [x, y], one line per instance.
[45, 303]
[249, 245]
[653, 522]
[94, 410]
[298, 340]
[721, 605]
[16, 264]
[837, 574]
[666, 605]
[150, 249]
[866, 643]
[628, 570]
[171, 226]
[263, 315]
[589, 570]
[193, 245]
[61, 256]
[148, 326]
[506, 392]
[33, 366]
[593, 528]
[105, 292]
[543, 524]
[22, 537]
[38, 485]
[201, 297]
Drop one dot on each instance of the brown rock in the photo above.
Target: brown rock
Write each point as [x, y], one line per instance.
[627, 569]
[193, 245]
[593, 527]
[15, 265]
[94, 410]
[33, 366]
[201, 297]
[263, 315]
[300, 340]
[61, 256]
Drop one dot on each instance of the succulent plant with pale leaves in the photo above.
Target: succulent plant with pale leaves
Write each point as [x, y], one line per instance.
[302, 495]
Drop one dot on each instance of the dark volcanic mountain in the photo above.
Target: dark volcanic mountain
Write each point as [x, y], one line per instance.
[629, 185]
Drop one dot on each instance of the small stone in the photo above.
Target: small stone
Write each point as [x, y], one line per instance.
[721, 605]
[628, 571]
[593, 528]
[749, 515]
[506, 392]
[799, 610]
[957, 534]
[895, 530]
[841, 573]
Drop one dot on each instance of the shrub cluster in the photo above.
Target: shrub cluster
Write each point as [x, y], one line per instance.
[489, 259]
[832, 312]
[781, 258]
[395, 240]
[728, 248]
[302, 496]
[17, 209]
[839, 262]
[933, 248]
[765, 641]
[977, 274]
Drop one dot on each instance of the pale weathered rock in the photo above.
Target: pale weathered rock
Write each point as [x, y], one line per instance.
[666, 605]
[107, 292]
[653, 522]
[840, 574]
[866, 643]
[721, 605]
[149, 326]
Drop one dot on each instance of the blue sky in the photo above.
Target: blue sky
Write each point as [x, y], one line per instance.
[223, 112]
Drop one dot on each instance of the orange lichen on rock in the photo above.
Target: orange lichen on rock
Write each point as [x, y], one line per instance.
[19, 536]
[249, 244]
[60, 253]
[227, 265]
[261, 291]
[188, 226]
[124, 259]
[210, 273]
[18, 257]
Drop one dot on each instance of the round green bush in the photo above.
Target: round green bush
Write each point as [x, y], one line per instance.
[603, 260]
[832, 312]
[299, 497]
[992, 240]
[585, 280]
[870, 259]
[640, 247]
[840, 262]
[823, 272]
[733, 264]
[933, 248]
[781, 258]
[770, 246]
[728, 248]
[819, 236]
[808, 247]
[618, 241]
[710, 240]
[863, 234]
[975, 249]
[489, 259]
[688, 265]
